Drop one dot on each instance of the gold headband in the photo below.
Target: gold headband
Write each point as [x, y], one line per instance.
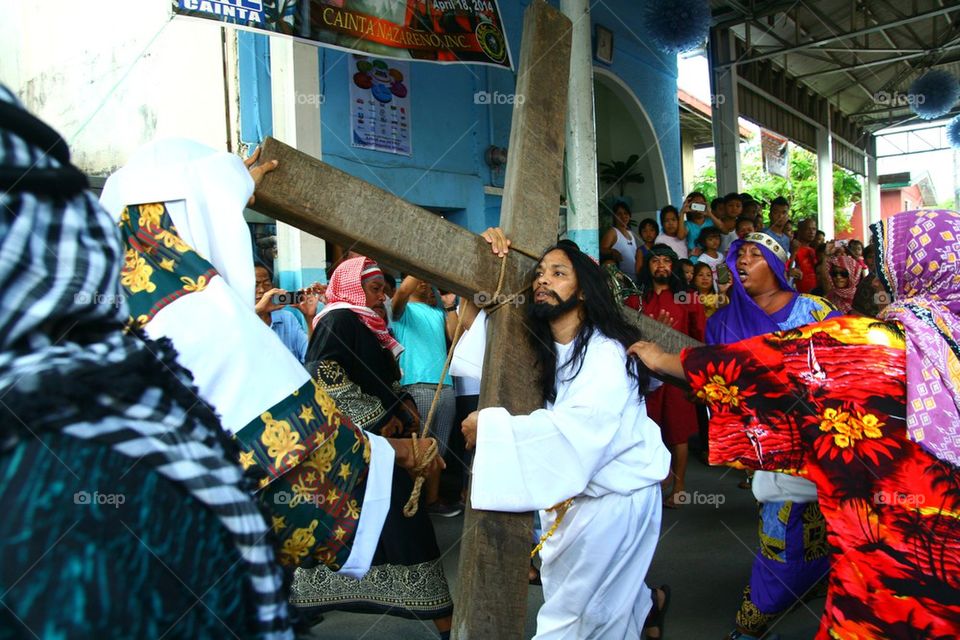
[769, 242]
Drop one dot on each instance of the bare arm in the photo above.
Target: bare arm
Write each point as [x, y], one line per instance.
[607, 241]
[402, 296]
[450, 317]
[657, 360]
[720, 224]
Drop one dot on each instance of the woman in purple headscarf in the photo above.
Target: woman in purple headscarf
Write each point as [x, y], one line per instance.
[761, 298]
[793, 554]
[870, 412]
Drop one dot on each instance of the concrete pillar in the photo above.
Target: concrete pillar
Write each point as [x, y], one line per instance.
[583, 224]
[873, 185]
[296, 100]
[726, 110]
[825, 180]
[687, 167]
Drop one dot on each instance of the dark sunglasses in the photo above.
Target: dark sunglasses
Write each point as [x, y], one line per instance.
[835, 274]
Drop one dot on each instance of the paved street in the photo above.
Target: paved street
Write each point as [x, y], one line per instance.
[704, 554]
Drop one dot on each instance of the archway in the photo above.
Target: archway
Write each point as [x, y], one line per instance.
[624, 129]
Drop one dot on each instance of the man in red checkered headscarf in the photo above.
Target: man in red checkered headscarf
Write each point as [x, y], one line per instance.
[357, 285]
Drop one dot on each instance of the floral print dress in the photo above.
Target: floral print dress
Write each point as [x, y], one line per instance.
[828, 401]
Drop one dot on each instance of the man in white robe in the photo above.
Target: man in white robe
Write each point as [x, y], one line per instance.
[592, 443]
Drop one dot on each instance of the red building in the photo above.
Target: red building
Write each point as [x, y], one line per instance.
[898, 192]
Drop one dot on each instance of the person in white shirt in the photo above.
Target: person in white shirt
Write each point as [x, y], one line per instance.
[672, 233]
[590, 460]
[621, 244]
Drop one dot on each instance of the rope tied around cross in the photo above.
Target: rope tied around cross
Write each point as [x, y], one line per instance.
[423, 460]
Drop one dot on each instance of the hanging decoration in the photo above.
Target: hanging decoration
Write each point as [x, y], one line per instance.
[953, 133]
[676, 26]
[933, 94]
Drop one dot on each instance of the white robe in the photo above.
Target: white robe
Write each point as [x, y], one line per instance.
[596, 444]
[238, 363]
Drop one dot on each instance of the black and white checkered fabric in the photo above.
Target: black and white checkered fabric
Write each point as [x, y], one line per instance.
[62, 316]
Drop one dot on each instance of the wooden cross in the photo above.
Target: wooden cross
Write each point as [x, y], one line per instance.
[324, 201]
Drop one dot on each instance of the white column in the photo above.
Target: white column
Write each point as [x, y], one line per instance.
[825, 180]
[296, 101]
[726, 111]
[581, 135]
[873, 192]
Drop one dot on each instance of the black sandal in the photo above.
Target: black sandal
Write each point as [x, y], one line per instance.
[655, 618]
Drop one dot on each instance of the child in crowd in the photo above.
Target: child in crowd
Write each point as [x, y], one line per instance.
[649, 230]
[705, 288]
[709, 241]
[672, 233]
[687, 266]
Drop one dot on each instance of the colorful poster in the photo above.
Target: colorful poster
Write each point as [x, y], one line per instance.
[444, 31]
[380, 104]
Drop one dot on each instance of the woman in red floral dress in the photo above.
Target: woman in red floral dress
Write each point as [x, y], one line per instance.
[867, 410]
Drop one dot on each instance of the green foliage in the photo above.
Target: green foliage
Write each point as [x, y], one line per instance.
[618, 172]
[800, 188]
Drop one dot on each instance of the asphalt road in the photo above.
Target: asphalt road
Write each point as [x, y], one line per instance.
[705, 553]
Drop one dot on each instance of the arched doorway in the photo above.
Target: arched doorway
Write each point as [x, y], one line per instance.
[624, 129]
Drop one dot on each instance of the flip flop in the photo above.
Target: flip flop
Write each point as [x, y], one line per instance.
[657, 616]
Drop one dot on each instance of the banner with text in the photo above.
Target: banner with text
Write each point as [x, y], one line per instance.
[444, 31]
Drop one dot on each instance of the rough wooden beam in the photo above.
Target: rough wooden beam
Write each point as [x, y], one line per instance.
[494, 555]
[350, 213]
[534, 172]
[317, 198]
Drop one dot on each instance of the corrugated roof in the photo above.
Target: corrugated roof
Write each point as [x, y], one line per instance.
[861, 55]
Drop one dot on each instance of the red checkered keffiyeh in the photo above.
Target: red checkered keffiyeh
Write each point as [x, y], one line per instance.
[345, 291]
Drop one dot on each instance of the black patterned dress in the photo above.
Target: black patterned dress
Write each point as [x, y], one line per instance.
[407, 577]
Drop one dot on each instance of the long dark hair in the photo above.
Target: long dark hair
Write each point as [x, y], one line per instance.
[601, 313]
[677, 283]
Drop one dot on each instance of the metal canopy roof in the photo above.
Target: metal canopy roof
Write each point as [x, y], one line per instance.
[860, 55]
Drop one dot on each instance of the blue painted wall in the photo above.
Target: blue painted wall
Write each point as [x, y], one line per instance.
[450, 130]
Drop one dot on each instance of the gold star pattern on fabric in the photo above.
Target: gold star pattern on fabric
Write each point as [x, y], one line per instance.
[344, 471]
[310, 477]
[279, 524]
[263, 482]
[246, 459]
[167, 264]
[306, 414]
[339, 533]
[332, 495]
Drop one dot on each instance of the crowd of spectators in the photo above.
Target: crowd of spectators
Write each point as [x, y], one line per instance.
[700, 233]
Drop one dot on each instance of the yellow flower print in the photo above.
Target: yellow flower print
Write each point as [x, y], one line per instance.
[298, 545]
[135, 275]
[327, 406]
[190, 285]
[279, 438]
[151, 214]
[172, 241]
[353, 510]
[853, 432]
[322, 458]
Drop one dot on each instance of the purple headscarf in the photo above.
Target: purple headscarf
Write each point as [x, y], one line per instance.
[743, 318]
[918, 259]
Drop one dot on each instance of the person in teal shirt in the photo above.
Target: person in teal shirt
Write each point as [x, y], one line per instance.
[423, 322]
